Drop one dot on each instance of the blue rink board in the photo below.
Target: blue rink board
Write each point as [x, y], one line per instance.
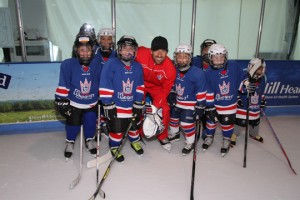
[58, 126]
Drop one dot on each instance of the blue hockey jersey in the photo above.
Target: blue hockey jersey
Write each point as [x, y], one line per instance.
[98, 56]
[255, 100]
[79, 83]
[190, 88]
[122, 85]
[223, 86]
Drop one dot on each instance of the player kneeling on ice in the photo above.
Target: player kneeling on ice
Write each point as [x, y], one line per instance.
[253, 88]
[223, 80]
[121, 92]
[76, 96]
[187, 97]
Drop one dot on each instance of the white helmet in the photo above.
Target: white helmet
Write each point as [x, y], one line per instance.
[217, 49]
[183, 48]
[106, 32]
[253, 66]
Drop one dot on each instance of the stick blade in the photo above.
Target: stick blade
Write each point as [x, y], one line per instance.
[75, 182]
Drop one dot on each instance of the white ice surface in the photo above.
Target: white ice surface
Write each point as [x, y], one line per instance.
[32, 167]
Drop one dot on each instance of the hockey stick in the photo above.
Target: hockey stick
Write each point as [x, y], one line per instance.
[100, 160]
[98, 190]
[282, 149]
[247, 129]
[76, 181]
[98, 145]
[194, 157]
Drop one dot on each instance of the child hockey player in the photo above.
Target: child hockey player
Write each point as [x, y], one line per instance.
[223, 81]
[76, 96]
[253, 88]
[187, 97]
[121, 92]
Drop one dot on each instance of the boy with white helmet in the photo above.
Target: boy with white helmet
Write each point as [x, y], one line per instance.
[254, 85]
[223, 78]
[187, 97]
[105, 39]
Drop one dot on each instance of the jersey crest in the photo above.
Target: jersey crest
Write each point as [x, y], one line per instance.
[179, 89]
[159, 76]
[85, 87]
[127, 87]
[254, 99]
[225, 88]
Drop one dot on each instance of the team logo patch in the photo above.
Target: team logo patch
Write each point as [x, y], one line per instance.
[225, 88]
[254, 99]
[159, 76]
[179, 89]
[85, 87]
[127, 87]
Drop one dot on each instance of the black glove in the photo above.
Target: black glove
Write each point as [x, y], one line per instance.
[263, 103]
[239, 102]
[199, 111]
[172, 99]
[63, 107]
[137, 109]
[211, 113]
[250, 87]
[110, 111]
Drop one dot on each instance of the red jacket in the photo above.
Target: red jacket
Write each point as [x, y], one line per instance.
[156, 77]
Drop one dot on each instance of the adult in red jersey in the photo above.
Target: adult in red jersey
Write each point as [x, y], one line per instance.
[159, 77]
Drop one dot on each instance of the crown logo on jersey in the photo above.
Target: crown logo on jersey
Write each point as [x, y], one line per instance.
[85, 87]
[254, 99]
[224, 89]
[179, 90]
[127, 87]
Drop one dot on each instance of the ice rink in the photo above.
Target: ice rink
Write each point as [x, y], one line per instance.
[33, 168]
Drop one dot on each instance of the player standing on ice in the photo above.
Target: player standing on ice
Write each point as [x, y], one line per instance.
[121, 92]
[159, 76]
[76, 96]
[223, 81]
[254, 85]
[187, 97]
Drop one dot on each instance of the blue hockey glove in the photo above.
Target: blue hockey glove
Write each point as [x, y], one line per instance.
[239, 102]
[199, 111]
[110, 111]
[263, 103]
[250, 87]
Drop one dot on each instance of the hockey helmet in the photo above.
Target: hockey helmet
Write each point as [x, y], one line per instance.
[125, 41]
[205, 44]
[106, 44]
[87, 29]
[256, 68]
[217, 50]
[183, 63]
[83, 40]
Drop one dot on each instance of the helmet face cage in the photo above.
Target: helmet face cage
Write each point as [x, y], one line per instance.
[217, 49]
[256, 68]
[183, 48]
[104, 32]
[127, 41]
[83, 40]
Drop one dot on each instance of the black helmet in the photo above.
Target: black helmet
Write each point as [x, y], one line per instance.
[88, 29]
[126, 40]
[83, 40]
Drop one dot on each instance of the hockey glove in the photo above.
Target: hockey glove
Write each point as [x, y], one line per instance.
[211, 113]
[62, 106]
[110, 111]
[239, 102]
[250, 87]
[137, 109]
[199, 111]
[172, 99]
[263, 103]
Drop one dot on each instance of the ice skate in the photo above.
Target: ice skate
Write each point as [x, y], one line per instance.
[226, 146]
[187, 149]
[257, 138]
[120, 158]
[69, 150]
[91, 147]
[233, 140]
[175, 137]
[207, 142]
[165, 143]
[136, 146]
